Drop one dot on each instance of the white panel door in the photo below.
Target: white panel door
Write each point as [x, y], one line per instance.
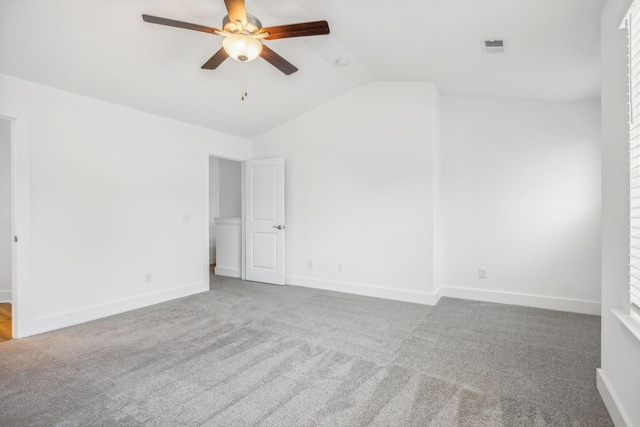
[264, 231]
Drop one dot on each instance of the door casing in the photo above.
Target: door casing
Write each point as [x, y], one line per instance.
[20, 117]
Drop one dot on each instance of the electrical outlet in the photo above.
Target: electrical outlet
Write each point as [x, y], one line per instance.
[310, 264]
[340, 267]
[482, 272]
[148, 278]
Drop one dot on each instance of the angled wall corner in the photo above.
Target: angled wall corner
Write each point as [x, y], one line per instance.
[361, 191]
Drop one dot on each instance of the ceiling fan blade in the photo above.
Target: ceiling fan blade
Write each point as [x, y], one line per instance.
[277, 61]
[215, 61]
[222, 33]
[237, 11]
[316, 28]
[179, 24]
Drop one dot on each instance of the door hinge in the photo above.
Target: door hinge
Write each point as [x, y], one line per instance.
[15, 239]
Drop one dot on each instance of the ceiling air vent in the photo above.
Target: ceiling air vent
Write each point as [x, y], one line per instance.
[493, 46]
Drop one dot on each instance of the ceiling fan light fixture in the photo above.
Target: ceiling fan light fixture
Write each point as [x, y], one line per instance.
[242, 48]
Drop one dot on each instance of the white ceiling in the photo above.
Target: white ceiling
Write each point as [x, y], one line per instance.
[103, 49]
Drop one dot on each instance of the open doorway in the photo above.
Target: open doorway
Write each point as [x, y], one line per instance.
[6, 231]
[225, 218]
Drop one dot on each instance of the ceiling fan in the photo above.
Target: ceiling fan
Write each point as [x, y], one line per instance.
[243, 34]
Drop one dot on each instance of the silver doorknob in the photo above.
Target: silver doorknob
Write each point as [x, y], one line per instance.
[279, 227]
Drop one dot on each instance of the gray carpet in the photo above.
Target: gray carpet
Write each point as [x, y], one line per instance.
[252, 354]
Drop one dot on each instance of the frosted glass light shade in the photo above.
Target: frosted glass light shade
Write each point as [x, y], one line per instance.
[242, 48]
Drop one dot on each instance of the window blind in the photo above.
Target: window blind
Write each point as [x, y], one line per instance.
[633, 31]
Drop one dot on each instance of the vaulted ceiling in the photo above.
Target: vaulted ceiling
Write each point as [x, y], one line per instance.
[103, 49]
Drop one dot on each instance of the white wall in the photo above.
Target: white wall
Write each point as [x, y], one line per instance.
[230, 189]
[6, 285]
[619, 377]
[109, 187]
[359, 185]
[214, 204]
[521, 197]
[512, 186]
[435, 191]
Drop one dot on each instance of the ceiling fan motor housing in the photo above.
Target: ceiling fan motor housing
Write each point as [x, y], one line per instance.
[252, 26]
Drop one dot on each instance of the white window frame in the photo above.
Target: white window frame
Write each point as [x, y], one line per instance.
[632, 24]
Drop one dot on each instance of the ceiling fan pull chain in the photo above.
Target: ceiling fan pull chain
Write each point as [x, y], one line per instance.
[244, 82]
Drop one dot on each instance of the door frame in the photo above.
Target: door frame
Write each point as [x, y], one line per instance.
[238, 157]
[206, 218]
[20, 117]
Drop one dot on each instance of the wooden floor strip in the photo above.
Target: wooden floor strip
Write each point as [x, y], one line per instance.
[5, 321]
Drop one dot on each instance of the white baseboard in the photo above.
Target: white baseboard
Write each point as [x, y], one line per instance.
[228, 272]
[6, 296]
[365, 290]
[50, 323]
[550, 303]
[611, 401]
